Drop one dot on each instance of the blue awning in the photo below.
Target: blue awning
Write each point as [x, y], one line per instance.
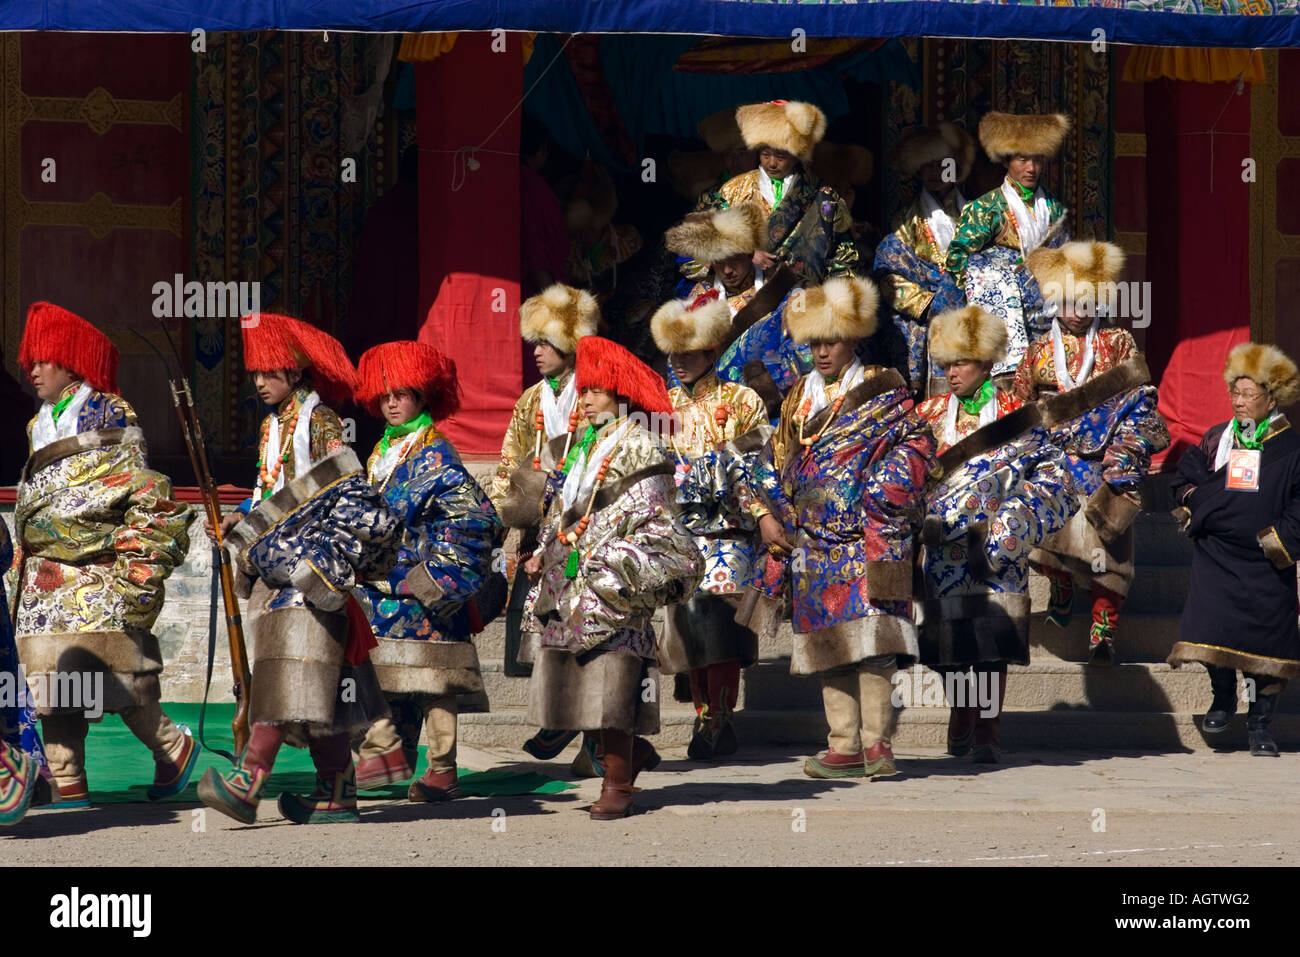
[1228, 23]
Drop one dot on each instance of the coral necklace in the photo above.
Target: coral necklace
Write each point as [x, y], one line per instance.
[269, 478]
[805, 407]
[571, 538]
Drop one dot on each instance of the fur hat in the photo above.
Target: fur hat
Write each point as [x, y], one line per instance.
[274, 342]
[604, 364]
[691, 173]
[1076, 269]
[782, 124]
[967, 333]
[53, 334]
[1266, 366]
[712, 237]
[408, 365]
[840, 308]
[559, 316]
[720, 132]
[1005, 134]
[685, 325]
[590, 198]
[925, 144]
[842, 164]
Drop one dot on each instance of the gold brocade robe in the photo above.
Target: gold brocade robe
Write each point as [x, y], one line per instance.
[521, 436]
[907, 296]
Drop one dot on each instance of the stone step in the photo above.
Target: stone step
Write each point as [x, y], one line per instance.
[1139, 637]
[1064, 730]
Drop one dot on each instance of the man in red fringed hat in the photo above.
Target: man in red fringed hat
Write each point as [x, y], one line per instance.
[423, 612]
[612, 551]
[98, 534]
[315, 529]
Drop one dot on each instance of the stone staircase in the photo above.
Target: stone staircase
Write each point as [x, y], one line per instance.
[1058, 702]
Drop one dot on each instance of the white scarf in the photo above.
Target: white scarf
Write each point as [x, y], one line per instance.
[988, 414]
[46, 430]
[726, 297]
[943, 226]
[1226, 441]
[815, 386]
[556, 409]
[301, 442]
[1032, 226]
[388, 461]
[1063, 377]
[766, 190]
[580, 481]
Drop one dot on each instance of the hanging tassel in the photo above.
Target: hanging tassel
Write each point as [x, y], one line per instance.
[571, 566]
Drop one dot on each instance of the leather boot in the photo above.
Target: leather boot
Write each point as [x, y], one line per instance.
[1258, 717]
[986, 738]
[1223, 681]
[616, 790]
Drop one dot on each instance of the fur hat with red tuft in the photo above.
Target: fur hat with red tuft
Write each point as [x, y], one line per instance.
[53, 334]
[603, 364]
[273, 342]
[409, 365]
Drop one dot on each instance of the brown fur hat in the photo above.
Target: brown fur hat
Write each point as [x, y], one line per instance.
[559, 315]
[840, 308]
[712, 237]
[685, 325]
[1088, 264]
[783, 124]
[967, 333]
[1005, 134]
[720, 132]
[1266, 366]
[925, 144]
[842, 164]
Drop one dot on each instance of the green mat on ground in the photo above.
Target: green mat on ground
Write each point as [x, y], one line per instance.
[120, 768]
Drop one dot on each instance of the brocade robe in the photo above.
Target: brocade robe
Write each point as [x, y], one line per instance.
[1004, 487]
[851, 503]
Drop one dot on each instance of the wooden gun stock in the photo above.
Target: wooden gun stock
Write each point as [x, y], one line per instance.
[239, 667]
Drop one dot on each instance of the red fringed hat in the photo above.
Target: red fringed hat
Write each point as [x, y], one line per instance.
[53, 334]
[281, 342]
[409, 365]
[603, 364]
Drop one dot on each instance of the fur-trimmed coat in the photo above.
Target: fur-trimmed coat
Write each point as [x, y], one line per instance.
[1241, 603]
[1005, 487]
[851, 503]
[634, 556]
[419, 612]
[300, 553]
[1109, 428]
[98, 534]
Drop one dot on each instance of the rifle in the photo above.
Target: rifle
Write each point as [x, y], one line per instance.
[194, 443]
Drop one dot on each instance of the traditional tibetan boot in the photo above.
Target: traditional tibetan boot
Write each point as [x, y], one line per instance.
[701, 746]
[434, 787]
[18, 776]
[590, 760]
[961, 729]
[1223, 682]
[1258, 717]
[832, 764]
[171, 777]
[381, 770]
[1060, 602]
[235, 794]
[333, 802]
[547, 744]
[986, 740]
[1101, 640]
[878, 761]
[72, 795]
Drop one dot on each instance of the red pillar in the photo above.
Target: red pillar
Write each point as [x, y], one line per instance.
[1198, 248]
[469, 229]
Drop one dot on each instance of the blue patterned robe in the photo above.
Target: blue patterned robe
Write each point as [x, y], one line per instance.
[1004, 488]
[851, 504]
[768, 342]
[420, 611]
[307, 546]
[17, 716]
[898, 265]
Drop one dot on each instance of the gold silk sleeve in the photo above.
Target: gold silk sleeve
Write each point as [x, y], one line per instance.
[518, 442]
[326, 435]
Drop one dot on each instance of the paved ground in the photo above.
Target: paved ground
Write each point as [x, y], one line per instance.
[1091, 808]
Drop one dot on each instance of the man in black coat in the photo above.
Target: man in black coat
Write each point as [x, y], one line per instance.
[1239, 492]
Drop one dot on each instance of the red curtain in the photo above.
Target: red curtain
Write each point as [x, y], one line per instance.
[469, 229]
[1198, 249]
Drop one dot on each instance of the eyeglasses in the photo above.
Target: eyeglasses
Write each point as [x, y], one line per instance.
[1248, 396]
